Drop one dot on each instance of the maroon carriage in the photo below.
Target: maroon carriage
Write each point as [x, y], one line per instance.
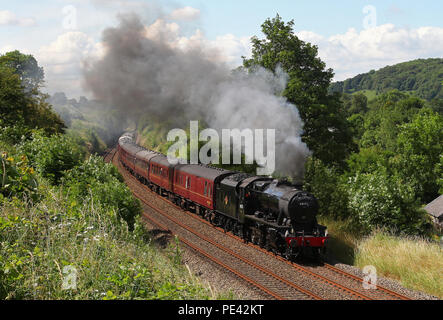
[196, 183]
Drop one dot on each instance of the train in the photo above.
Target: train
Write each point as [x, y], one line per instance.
[273, 214]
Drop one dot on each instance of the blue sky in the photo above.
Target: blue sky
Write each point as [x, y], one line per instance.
[321, 16]
[404, 30]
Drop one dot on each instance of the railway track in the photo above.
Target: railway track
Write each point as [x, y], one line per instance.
[257, 274]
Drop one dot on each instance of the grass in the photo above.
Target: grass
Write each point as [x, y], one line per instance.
[42, 244]
[415, 262]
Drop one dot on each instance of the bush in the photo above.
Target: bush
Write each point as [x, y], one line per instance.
[41, 245]
[17, 178]
[13, 134]
[377, 200]
[101, 182]
[53, 156]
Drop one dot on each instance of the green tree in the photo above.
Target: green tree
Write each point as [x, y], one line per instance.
[326, 130]
[329, 188]
[26, 67]
[419, 152]
[20, 100]
[385, 116]
[13, 102]
[359, 104]
[378, 200]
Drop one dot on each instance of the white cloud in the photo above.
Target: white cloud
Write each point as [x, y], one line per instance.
[63, 61]
[355, 52]
[233, 48]
[185, 14]
[8, 18]
[349, 53]
[7, 48]
[225, 49]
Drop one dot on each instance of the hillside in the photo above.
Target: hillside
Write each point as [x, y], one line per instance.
[422, 77]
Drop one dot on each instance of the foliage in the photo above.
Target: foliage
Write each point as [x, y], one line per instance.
[39, 244]
[13, 134]
[422, 77]
[386, 113]
[26, 67]
[419, 151]
[356, 103]
[52, 156]
[99, 182]
[153, 137]
[327, 132]
[367, 160]
[328, 187]
[21, 104]
[17, 178]
[378, 200]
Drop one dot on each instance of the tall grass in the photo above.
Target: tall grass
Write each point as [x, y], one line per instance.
[415, 262]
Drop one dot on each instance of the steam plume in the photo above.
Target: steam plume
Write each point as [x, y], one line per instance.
[140, 75]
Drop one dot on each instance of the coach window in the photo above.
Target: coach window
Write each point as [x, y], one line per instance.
[206, 187]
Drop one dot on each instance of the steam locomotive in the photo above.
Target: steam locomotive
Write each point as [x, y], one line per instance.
[274, 214]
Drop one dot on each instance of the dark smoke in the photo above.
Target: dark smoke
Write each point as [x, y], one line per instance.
[140, 76]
